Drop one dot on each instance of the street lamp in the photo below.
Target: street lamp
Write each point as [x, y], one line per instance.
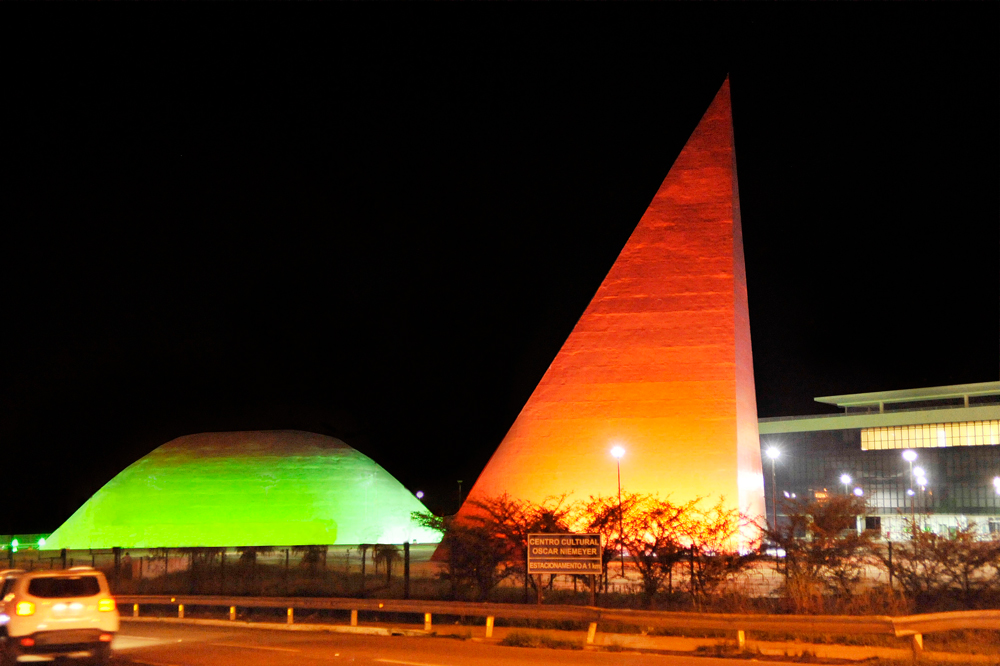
[846, 480]
[909, 456]
[773, 453]
[618, 452]
[996, 484]
[921, 481]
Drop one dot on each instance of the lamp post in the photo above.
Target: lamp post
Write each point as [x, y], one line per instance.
[921, 480]
[773, 453]
[909, 456]
[618, 452]
[846, 480]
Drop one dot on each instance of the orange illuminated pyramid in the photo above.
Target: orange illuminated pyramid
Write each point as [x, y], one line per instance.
[659, 363]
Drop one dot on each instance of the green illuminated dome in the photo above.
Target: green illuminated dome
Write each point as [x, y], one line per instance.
[269, 488]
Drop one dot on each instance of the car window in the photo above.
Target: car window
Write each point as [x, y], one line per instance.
[64, 586]
[8, 585]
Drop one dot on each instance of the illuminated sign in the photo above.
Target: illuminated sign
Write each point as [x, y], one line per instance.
[564, 554]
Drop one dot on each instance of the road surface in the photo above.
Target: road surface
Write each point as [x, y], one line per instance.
[151, 644]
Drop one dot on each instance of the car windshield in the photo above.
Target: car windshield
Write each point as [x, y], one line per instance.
[64, 586]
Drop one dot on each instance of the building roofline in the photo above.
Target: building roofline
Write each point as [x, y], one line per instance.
[774, 426]
[912, 395]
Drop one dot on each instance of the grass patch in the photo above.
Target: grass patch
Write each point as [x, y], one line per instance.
[523, 639]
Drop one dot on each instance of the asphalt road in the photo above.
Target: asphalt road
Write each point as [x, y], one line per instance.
[179, 645]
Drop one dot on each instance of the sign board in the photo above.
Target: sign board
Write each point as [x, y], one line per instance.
[564, 554]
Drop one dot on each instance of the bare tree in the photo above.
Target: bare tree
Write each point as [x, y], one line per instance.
[311, 555]
[490, 544]
[652, 533]
[928, 566]
[476, 554]
[824, 552]
[715, 551]
[600, 514]
[387, 554]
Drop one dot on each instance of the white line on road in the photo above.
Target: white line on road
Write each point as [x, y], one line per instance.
[405, 663]
[254, 647]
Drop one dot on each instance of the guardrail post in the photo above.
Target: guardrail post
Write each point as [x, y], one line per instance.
[232, 612]
[291, 616]
[135, 610]
[917, 644]
[180, 611]
[741, 640]
[591, 633]
[489, 626]
[427, 621]
[354, 618]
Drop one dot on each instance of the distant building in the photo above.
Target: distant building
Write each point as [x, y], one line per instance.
[953, 430]
[270, 488]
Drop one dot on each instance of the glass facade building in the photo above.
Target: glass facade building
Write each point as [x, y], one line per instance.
[954, 480]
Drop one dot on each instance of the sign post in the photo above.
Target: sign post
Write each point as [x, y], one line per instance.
[565, 554]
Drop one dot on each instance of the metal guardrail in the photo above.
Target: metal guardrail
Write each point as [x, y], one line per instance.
[913, 626]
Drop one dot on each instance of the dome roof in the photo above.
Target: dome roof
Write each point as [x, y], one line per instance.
[267, 488]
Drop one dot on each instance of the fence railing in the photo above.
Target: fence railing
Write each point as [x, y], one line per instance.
[913, 626]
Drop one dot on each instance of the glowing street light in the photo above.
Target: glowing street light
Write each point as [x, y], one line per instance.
[909, 456]
[618, 452]
[773, 453]
[996, 484]
[846, 480]
[859, 492]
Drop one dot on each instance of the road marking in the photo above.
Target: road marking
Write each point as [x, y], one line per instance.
[254, 647]
[122, 642]
[405, 663]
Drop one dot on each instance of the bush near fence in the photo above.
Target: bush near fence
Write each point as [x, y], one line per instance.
[828, 566]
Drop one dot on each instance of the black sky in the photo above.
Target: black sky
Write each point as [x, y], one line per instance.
[381, 222]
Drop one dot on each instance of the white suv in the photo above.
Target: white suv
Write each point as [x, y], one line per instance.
[52, 613]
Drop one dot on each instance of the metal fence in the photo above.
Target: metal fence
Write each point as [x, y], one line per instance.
[360, 570]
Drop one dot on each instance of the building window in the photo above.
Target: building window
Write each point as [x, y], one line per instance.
[931, 435]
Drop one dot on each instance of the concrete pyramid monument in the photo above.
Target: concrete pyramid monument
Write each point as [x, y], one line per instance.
[660, 362]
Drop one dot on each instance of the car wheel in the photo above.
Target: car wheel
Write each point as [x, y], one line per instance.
[101, 655]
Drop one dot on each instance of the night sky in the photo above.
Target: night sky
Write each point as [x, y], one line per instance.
[381, 222]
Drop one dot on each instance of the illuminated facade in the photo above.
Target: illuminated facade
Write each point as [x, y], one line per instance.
[659, 363]
[953, 430]
[270, 488]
